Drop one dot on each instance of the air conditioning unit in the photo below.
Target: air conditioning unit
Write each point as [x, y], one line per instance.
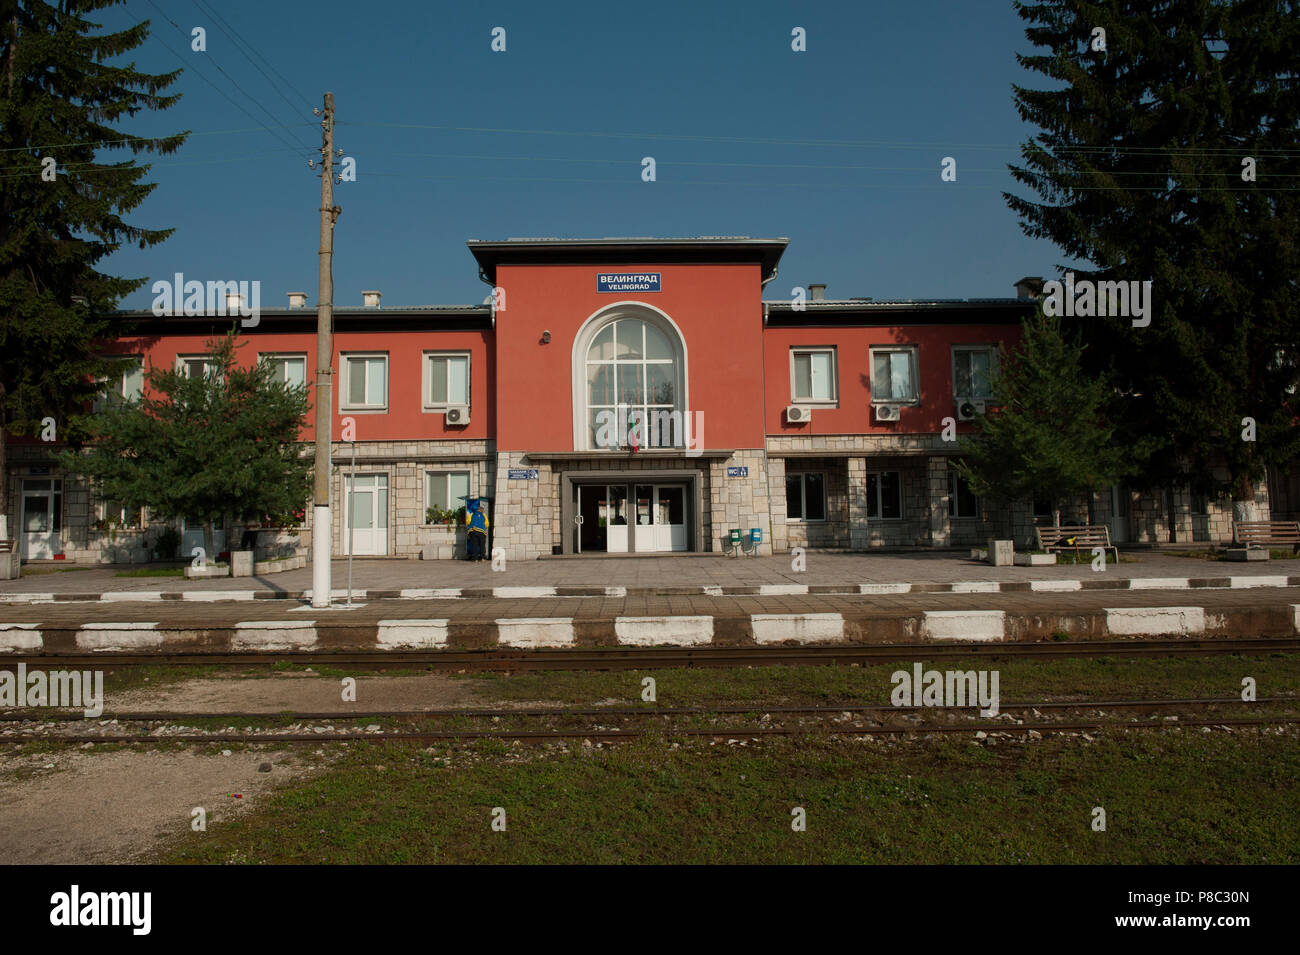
[887, 412]
[970, 408]
[798, 414]
[457, 414]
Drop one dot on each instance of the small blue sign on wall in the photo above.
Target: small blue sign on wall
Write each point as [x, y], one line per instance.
[522, 474]
[738, 472]
[628, 282]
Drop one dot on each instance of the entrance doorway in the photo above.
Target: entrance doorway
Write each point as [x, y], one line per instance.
[630, 518]
[366, 527]
[42, 519]
[1119, 511]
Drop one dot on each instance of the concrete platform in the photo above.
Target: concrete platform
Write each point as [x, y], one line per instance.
[664, 620]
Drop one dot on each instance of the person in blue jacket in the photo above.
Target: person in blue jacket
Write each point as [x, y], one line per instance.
[477, 520]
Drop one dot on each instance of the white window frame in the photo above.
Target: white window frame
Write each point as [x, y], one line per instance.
[834, 400]
[993, 368]
[209, 363]
[122, 509]
[880, 499]
[803, 498]
[426, 379]
[118, 383]
[276, 356]
[914, 371]
[430, 472]
[345, 369]
[954, 499]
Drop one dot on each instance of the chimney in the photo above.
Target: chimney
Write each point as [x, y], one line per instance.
[818, 292]
[297, 299]
[1030, 287]
[234, 302]
[371, 299]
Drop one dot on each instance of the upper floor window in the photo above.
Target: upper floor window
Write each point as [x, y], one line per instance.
[972, 371]
[126, 385]
[446, 380]
[633, 384]
[196, 366]
[290, 370]
[894, 375]
[365, 382]
[812, 376]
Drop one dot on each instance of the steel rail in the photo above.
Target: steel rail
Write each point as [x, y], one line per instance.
[621, 658]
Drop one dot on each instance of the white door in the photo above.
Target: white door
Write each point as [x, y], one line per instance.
[367, 525]
[670, 518]
[616, 540]
[1119, 511]
[42, 519]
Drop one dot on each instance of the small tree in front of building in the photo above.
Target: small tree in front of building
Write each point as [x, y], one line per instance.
[212, 446]
[1047, 435]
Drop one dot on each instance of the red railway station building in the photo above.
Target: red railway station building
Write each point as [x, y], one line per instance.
[624, 396]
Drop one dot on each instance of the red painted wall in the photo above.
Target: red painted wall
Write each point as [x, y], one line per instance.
[716, 307]
[853, 416]
[404, 419]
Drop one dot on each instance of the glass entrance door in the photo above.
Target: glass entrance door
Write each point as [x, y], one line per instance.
[42, 519]
[367, 512]
[670, 517]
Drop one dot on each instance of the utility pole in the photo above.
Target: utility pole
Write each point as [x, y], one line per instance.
[322, 530]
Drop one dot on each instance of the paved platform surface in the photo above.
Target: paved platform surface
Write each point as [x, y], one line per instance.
[824, 572]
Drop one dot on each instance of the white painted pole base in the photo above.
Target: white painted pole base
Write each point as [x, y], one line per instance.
[321, 544]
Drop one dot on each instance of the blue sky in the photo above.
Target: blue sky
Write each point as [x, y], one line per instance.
[838, 148]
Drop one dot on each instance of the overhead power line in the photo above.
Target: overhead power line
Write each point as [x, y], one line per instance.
[240, 42]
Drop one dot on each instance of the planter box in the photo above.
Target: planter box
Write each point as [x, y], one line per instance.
[1001, 552]
[263, 567]
[11, 564]
[1035, 560]
[1246, 553]
[202, 573]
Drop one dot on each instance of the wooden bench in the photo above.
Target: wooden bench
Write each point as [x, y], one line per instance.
[1267, 534]
[1075, 537]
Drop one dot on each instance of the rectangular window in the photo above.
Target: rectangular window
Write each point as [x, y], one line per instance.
[805, 496]
[1043, 508]
[812, 375]
[289, 369]
[884, 495]
[195, 366]
[894, 375]
[126, 385]
[446, 489]
[365, 382]
[972, 371]
[117, 514]
[961, 501]
[446, 380]
[1200, 503]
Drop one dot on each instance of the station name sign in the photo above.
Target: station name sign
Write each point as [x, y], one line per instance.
[522, 474]
[628, 282]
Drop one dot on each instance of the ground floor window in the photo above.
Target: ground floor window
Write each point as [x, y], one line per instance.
[1044, 508]
[805, 496]
[962, 502]
[885, 495]
[117, 514]
[446, 490]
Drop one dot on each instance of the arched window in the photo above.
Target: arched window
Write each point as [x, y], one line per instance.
[632, 382]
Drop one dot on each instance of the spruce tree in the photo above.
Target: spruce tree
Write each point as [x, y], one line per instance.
[61, 101]
[1173, 155]
[1048, 435]
[223, 444]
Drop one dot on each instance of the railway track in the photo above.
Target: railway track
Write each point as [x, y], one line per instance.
[620, 658]
[651, 722]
